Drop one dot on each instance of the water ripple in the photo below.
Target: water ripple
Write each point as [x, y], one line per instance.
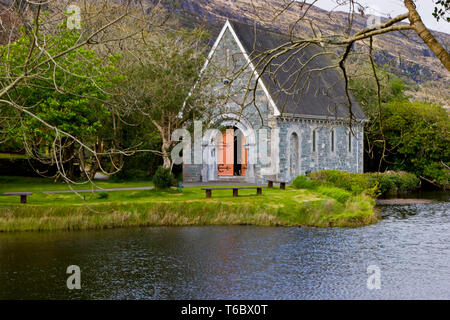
[411, 246]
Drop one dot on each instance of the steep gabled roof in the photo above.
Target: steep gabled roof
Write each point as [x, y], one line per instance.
[314, 91]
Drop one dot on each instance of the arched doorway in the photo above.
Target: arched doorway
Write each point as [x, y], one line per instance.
[214, 149]
[232, 153]
[294, 155]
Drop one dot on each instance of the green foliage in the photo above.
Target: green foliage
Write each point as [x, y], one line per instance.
[365, 89]
[353, 182]
[410, 136]
[302, 182]
[67, 94]
[66, 98]
[439, 173]
[418, 137]
[403, 181]
[102, 195]
[396, 88]
[142, 165]
[373, 184]
[163, 178]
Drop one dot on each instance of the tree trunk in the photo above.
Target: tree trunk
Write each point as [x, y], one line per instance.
[67, 158]
[70, 165]
[165, 154]
[426, 35]
[95, 165]
[82, 157]
[166, 136]
[93, 170]
[117, 163]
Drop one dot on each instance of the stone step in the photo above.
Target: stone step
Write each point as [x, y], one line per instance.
[230, 179]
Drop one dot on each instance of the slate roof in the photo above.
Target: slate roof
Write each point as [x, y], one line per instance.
[306, 93]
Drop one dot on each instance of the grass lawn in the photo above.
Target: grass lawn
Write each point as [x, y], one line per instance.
[47, 212]
[18, 184]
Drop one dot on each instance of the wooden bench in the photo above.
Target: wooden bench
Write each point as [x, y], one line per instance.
[235, 190]
[282, 184]
[23, 195]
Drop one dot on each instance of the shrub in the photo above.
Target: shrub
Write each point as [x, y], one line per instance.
[405, 181]
[356, 183]
[394, 182]
[439, 174]
[102, 195]
[302, 182]
[384, 182]
[163, 178]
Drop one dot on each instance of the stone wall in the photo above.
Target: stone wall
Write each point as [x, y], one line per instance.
[323, 158]
[192, 173]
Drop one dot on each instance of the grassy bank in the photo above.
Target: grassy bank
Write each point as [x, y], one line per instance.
[49, 212]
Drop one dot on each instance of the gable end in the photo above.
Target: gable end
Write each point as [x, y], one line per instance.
[229, 27]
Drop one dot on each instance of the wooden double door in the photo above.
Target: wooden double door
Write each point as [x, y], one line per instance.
[232, 154]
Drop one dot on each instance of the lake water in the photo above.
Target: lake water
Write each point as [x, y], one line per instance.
[410, 246]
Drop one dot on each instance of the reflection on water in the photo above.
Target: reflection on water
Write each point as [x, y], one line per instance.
[411, 245]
